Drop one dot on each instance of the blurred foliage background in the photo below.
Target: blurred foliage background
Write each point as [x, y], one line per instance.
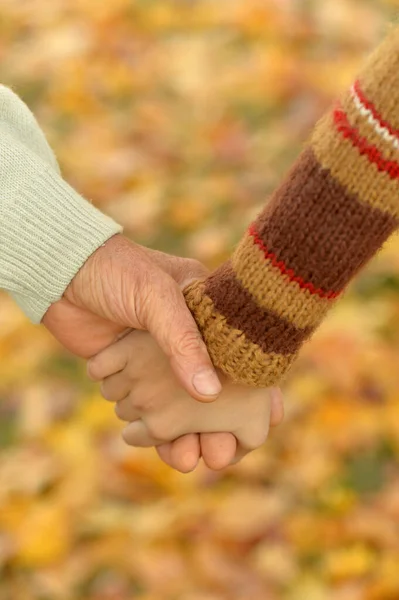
[178, 118]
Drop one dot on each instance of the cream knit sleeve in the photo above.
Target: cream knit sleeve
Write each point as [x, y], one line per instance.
[47, 230]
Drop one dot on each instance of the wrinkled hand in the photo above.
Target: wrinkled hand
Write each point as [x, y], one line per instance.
[131, 286]
[122, 286]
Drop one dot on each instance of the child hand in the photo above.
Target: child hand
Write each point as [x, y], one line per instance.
[137, 376]
[218, 450]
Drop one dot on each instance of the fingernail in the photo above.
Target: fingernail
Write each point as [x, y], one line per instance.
[207, 383]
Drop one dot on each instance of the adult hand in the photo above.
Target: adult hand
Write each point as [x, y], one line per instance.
[85, 333]
[129, 286]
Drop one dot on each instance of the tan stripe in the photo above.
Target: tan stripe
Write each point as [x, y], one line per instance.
[229, 348]
[262, 327]
[274, 291]
[354, 171]
[379, 78]
[367, 130]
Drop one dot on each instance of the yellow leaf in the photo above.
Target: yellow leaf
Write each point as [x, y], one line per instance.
[44, 535]
[348, 563]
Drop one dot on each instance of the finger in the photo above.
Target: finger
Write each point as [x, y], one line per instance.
[115, 388]
[253, 434]
[106, 363]
[218, 449]
[137, 434]
[183, 454]
[277, 407]
[182, 270]
[164, 453]
[125, 411]
[173, 327]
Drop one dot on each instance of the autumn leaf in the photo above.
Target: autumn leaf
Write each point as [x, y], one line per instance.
[179, 118]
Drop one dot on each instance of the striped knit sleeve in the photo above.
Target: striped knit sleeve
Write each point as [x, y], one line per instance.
[333, 212]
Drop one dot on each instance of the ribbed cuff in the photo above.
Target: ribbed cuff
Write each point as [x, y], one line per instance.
[50, 233]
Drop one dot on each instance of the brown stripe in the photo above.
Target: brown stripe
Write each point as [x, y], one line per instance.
[353, 171]
[229, 348]
[261, 326]
[320, 230]
[274, 291]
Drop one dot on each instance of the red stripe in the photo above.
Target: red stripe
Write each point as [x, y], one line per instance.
[284, 270]
[370, 106]
[365, 149]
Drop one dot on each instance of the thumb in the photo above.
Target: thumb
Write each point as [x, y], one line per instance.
[171, 324]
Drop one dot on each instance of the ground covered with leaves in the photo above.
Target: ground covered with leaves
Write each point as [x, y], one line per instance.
[178, 119]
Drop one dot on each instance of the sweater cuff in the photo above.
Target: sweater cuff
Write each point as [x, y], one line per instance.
[51, 232]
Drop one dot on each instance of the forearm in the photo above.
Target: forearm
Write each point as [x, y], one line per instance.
[47, 230]
[332, 213]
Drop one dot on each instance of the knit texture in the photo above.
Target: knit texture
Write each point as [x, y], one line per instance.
[335, 209]
[47, 230]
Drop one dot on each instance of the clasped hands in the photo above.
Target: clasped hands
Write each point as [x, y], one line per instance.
[159, 375]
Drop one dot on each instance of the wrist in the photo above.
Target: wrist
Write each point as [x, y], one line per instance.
[86, 284]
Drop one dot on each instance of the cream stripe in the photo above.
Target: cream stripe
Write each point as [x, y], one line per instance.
[354, 171]
[229, 348]
[379, 129]
[366, 129]
[274, 291]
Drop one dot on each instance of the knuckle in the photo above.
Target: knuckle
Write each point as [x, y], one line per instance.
[94, 369]
[139, 401]
[105, 392]
[157, 430]
[196, 268]
[189, 343]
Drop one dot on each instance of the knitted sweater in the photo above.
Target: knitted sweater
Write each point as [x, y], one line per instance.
[47, 231]
[336, 207]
